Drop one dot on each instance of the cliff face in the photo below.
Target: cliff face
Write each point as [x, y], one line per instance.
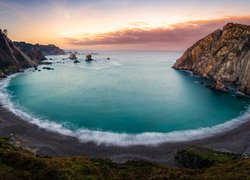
[32, 51]
[223, 55]
[12, 58]
[37, 51]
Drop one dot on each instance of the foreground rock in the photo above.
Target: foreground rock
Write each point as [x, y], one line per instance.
[12, 59]
[224, 56]
[197, 157]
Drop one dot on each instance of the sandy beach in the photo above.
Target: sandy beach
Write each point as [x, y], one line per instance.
[57, 145]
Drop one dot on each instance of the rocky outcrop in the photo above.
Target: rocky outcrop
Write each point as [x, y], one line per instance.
[223, 55]
[31, 50]
[12, 59]
[72, 56]
[89, 58]
[44, 49]
[197, 157]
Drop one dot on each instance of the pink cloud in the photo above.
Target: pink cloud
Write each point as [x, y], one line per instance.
[178, 36]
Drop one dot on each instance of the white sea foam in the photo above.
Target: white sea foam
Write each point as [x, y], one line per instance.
[119, 139]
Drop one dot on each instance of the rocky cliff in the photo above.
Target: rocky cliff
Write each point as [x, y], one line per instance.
[12, 58]
[224, 56]
[43, 50]
[32, 51]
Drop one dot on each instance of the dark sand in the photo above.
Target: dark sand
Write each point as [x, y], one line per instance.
[54, 144]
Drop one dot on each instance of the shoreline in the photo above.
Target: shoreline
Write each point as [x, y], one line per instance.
[54, 144]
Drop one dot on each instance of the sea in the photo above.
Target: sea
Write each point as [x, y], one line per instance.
[122, 98]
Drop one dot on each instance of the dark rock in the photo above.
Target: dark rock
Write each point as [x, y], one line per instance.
[48, 68]
[197, 157]
[46, 63]
[72, 56]
[3, 75]
[89, 58]
[20, 70]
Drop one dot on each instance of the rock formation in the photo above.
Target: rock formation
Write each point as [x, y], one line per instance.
[32, 51]
[89, 58]
[44, 49]
[72, 56]
[197, 157]
[12, 59]
[223, 55]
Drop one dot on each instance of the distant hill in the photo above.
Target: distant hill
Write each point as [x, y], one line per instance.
[37, 51]
[32, 51]
[12, 58]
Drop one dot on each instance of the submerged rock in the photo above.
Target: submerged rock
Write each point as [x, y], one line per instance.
[48, 68]
[223, 56]
[46, 63]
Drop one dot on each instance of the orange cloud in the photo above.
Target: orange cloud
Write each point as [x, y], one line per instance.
[176, 36]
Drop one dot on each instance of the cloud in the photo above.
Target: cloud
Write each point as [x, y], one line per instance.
[179, 36]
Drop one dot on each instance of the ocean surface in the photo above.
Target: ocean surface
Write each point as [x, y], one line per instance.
[133, 98]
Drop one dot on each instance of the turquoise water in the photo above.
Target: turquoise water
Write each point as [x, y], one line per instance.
[134, 92]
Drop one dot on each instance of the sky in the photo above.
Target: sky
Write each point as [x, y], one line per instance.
[119, 24]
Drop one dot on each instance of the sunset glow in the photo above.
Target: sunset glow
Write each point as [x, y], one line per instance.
[125, 24]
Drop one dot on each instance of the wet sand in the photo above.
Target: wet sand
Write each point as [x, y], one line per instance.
[57, 145]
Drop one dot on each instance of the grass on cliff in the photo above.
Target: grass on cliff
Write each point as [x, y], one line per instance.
[20, 163]
[210, 154]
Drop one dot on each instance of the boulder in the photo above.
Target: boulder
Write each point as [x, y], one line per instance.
[197, 157]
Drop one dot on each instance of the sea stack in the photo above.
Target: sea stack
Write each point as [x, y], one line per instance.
[223, 56]
[89, 58]
[72, 56]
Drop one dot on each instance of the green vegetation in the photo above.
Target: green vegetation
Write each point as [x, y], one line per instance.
[211, 154]
[8, 69]
[20, 163]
